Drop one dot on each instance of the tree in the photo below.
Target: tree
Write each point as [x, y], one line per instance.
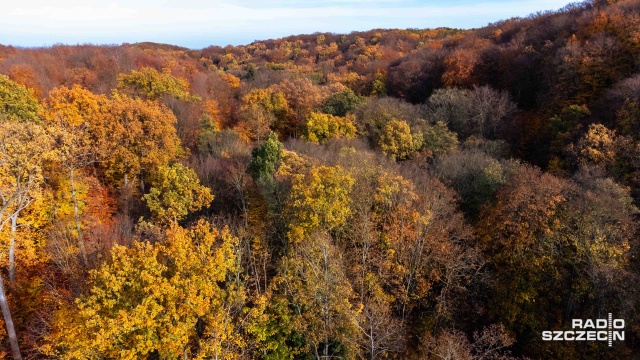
[340, 103]
[481, 111]
[490, 344]
[263, 110]
[459, 67]
[437, 139]
[396, 140]
[17, 102]
[78, 122]
[302, 98]
[21, 179]
[176, 191]
[475, 175]
[257, 123]
[429, 260]
[21, 173]
[8, 322]
[373, 114]
[321, 127]
[319, 201]
[171, 299]
[517, 238]
[265, 160]
[597, 147]
[628, 119]
[152, 85]
[144, 137]
[320, 295]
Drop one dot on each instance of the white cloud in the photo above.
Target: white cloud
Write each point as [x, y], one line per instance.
[75, 21]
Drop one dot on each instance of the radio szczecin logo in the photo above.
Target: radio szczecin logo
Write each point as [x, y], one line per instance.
[606, 330]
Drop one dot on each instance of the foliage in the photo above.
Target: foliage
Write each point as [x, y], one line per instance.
[321, 127]
[265, 160]
[396, 140]
[491, 195]
[17, 102]
[150, 298]
[341, 103]
[152, 85]
[319, 200]
[144, 137]
[175, 192]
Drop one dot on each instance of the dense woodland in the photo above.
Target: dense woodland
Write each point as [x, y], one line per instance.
[390, 194]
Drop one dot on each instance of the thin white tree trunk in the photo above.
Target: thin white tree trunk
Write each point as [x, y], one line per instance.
[12, 246]
[8, 321]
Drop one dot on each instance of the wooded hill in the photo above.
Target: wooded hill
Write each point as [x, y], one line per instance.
[389, 194]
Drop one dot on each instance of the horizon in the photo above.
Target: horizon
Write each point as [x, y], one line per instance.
[196, 25]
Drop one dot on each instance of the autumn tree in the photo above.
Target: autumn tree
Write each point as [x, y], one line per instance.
[374, 114]
[436, 139]
[480, 111]
[628, 119]
[144, 137]
[492, 343]
[340, 103]
[17, 102]
[78, 120]
[321, 127]
[598, 147]
[396, 140]
[320, 297]
[302, 98]
[170, 299]
[152, 85]
[21, 179]
[459, 67]
[475, 175]
[175, 192]
[431, 257]
[21, 174]
[515, 235]
[319, 201]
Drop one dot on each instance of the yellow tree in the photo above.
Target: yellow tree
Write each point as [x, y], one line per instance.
[597, 147]
[17, 102]
[320, 296]
[319, 201]
[174, 300]
[21, 179]
[145, 139]
[176, 191]
[321, 127]
[152, 85]
[263, 110]
[78, 124]
[396, 141]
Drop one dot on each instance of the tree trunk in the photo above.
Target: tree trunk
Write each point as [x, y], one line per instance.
[76, 215]
[11, 331]
[12, 247]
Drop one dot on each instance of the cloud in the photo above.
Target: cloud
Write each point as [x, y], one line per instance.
[81, 14]
[74, 21]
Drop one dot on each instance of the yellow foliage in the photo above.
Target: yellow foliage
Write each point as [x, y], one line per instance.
[324, 126]
[149, 297]
[396, 141]
[319, 200]
[176, 191]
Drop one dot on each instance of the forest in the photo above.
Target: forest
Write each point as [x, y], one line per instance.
[389, 194]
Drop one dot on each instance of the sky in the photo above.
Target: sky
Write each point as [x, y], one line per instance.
[197, 24]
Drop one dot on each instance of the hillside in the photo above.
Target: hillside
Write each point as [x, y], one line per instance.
[388, 194]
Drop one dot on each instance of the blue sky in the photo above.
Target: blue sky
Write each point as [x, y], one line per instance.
[197, 24]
